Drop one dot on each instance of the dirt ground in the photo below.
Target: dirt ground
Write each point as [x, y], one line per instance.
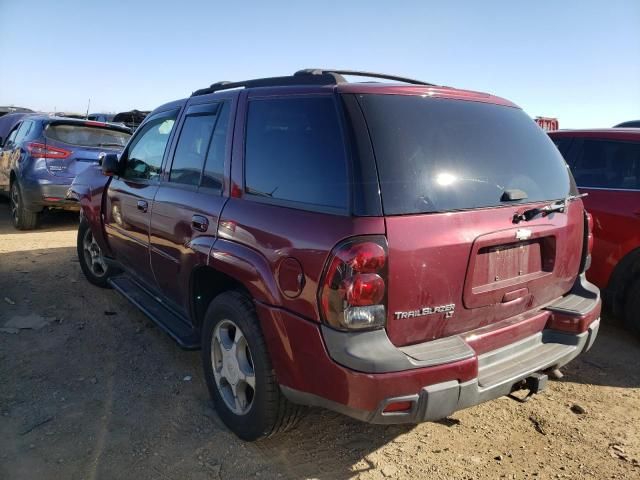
[99, 392]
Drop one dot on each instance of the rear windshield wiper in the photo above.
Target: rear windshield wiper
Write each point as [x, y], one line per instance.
[558, 206]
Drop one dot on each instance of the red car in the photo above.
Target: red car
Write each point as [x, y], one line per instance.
[606, 166]
[391, 251]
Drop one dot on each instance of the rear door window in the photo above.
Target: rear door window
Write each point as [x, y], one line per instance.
[607, 164]
[85, 136]
[199, 155]
[295, 152]
[192, 147]
[437, 155]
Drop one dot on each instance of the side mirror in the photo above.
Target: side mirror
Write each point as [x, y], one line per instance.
[110, 164]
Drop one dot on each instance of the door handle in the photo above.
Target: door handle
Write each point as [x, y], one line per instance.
[199, 223]
[142, 205]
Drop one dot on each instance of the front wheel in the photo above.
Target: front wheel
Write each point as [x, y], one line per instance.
[92, 261]
[22, 218]
[239, 373]
[632, 307]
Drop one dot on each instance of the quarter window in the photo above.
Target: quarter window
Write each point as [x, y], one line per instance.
[608, 164]
[295, 152]
[144, 158]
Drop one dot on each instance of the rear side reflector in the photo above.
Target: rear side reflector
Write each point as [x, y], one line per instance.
[41, 150]
[398, 407]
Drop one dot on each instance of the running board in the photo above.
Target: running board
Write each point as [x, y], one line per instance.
[171, 323]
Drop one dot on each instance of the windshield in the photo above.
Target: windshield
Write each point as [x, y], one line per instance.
[436, 155]
[86, 136]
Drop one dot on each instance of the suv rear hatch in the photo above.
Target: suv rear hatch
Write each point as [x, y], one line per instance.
[453, 174]
[70, 147]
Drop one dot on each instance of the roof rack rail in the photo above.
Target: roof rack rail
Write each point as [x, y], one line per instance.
[359, 73]
[321, 79]
[308, 76]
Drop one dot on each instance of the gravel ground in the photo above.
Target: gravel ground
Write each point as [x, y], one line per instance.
[94, 390]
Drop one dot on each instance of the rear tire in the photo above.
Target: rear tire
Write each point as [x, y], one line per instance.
[22, 218]
[632, 307]
[91, 258]
[238, 371]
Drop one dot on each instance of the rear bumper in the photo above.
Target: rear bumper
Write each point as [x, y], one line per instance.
[544, 351]
[41, 193]
[361, 376]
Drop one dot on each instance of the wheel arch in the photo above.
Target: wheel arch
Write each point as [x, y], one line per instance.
[231, 266]
[627, 269]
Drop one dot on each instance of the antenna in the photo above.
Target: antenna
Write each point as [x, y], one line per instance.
[88, 105]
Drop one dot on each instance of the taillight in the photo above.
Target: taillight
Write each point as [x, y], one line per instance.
[353, 289]
[587, 247]
[41, 150]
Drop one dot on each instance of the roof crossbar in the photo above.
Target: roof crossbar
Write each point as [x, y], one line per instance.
[309, 76]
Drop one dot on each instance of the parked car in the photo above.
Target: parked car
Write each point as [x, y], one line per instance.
[101, 117]
[131, 119]
[547, 123]
[606, 166]
[394, 252]
[8, 110]
[40, 157]
[629, 124]
[7, 122]
[76, 115]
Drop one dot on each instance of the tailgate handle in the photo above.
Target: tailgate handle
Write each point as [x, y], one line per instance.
[515, 295]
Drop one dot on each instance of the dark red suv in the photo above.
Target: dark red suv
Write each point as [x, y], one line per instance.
[392, 251]
[606, 166]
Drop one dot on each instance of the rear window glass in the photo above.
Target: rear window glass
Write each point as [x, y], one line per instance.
[436, 155]
[85, 136]
[295, 152]
[607, 164]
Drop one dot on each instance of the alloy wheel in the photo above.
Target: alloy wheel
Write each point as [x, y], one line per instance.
[14, 203]
[233, 367]
[93, 255]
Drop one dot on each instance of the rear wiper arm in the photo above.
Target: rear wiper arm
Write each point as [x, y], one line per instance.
[559, 206]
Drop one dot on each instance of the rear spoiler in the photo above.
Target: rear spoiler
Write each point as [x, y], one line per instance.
[90, 123]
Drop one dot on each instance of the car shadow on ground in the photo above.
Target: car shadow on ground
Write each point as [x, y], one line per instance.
[49, 221]
[100, 392]
[612, 361]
